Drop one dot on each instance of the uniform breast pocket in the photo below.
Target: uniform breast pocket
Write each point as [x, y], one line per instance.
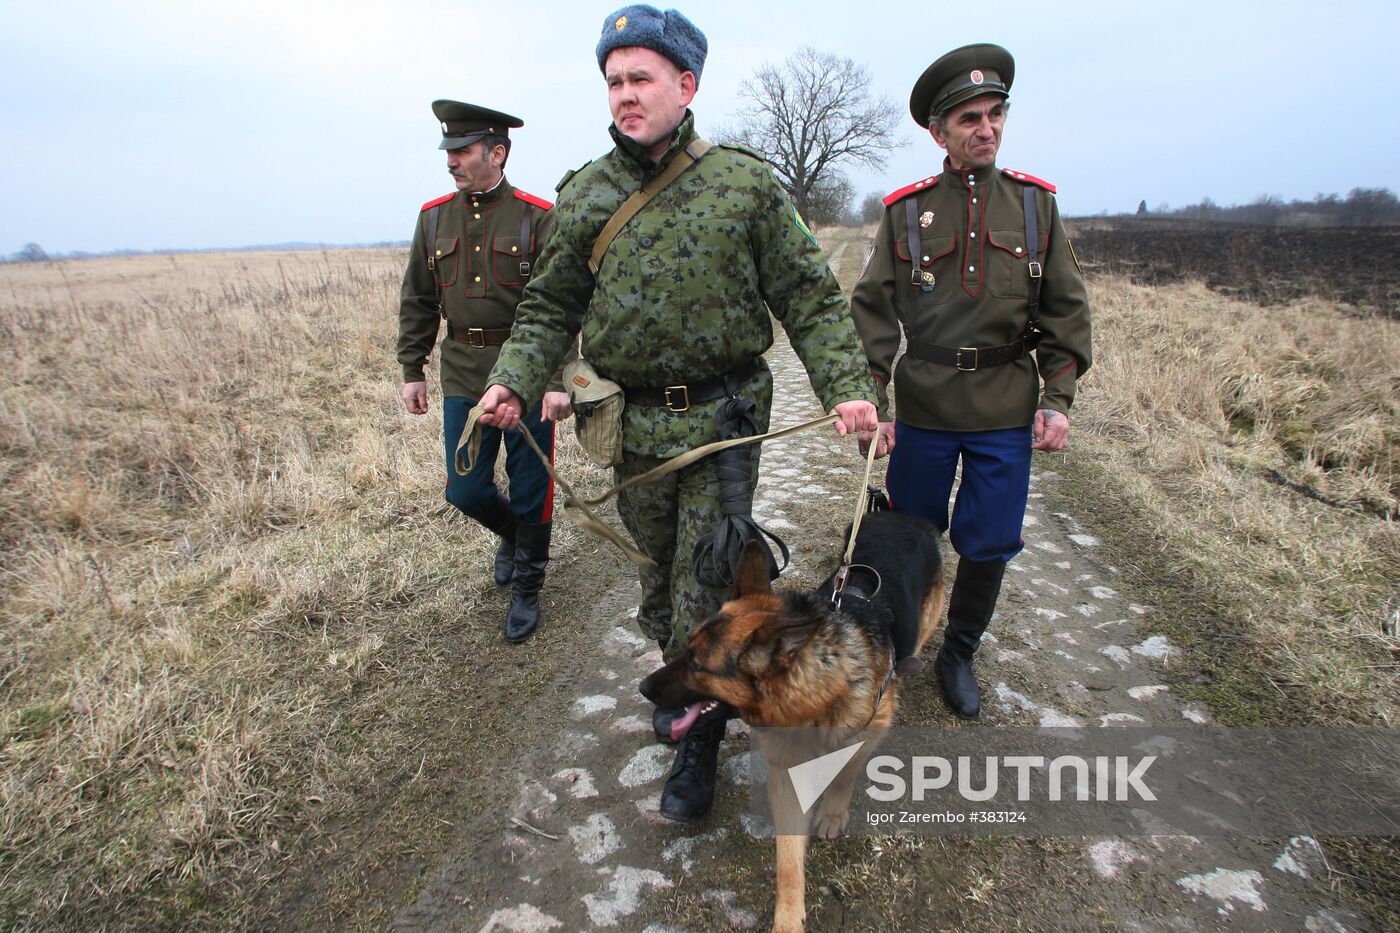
[1008, 263]
[446, 257]
[509, 260]
[937, 273]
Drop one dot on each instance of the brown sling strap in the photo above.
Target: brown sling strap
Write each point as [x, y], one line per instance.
[683, 160]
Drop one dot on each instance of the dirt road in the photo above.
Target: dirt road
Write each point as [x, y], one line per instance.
[576, 842]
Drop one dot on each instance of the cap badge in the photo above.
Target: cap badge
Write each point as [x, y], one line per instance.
[620, 23]
[977, 76]
[444, 129]
[925, 218]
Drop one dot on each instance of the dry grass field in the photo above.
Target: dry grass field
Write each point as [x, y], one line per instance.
[231, 589]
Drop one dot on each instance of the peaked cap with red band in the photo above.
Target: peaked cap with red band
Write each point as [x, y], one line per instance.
[961, 75]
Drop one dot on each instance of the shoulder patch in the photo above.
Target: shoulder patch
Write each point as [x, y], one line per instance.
[436, 201]
[568, 176]
[907, 190]
[529, 198]
[1028, 179]
[740, 147]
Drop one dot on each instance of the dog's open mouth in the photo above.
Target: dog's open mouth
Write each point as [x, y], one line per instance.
[696, 712]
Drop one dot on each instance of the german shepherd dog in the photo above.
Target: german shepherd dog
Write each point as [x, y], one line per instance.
[809, 660]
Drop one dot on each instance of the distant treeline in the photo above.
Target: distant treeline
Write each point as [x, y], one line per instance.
[1362, 207]
[33, 252]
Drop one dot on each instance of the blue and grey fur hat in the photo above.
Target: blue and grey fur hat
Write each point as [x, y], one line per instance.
[669, 34]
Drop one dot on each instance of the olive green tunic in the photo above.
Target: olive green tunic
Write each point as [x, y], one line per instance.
[972, 238]
[475, 281]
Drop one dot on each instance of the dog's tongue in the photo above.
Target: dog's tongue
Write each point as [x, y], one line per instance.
[681, 726]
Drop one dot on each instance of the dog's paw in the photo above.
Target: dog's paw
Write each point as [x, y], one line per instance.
[828, 824]
[788, 921]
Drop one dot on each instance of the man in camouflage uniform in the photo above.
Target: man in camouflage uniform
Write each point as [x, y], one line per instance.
[471, 257]
[974, 267]
[677, 314]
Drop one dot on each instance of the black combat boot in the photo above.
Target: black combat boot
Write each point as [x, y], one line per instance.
[531, 559]
[969, 610]
[690, 790]
[499, 518]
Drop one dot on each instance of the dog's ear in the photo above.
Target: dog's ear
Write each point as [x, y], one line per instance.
[752, 578]
[791, 638]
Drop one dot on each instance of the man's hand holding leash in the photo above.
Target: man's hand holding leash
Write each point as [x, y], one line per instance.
[856, 416]
[886, 443]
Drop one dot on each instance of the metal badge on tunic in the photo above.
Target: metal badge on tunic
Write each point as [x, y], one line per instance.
[925, 218]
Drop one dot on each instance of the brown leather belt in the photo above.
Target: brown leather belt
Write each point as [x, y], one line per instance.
[479, 337]
[969, 359]
[680, 397]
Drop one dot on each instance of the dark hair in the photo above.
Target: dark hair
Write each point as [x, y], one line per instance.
[491, 141]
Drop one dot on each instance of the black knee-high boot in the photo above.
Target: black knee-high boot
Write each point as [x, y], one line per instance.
[499, 518]
[970, 608]
[531, 559]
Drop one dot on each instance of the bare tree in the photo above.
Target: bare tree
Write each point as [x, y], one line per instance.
[32, 252]
[872, 208]
[810, 116]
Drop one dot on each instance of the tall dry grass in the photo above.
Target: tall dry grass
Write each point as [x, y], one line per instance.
[1262, 449]
[213, 512]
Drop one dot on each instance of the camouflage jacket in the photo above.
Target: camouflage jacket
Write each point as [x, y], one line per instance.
[474, 280]
[972, 240]
[684, 292]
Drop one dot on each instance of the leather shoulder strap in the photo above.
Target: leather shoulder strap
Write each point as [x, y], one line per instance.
[629, 209]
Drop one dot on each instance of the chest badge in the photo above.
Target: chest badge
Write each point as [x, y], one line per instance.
[925, 219]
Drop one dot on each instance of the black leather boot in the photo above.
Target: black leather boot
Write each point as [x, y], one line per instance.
[975, 592]
[531, 559]
[499, 518]
[690, 790]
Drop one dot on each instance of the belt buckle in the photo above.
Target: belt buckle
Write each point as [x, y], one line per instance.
[685, 398]
[1035, 270]
[476, 338]
[958, 360]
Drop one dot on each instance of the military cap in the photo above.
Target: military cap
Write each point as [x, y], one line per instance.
[669, 34]
[959, 76]
[463, 124]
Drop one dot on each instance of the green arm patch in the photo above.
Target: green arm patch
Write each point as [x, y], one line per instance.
[802, 225]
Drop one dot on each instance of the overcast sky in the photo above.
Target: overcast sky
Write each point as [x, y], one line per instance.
[151, 124]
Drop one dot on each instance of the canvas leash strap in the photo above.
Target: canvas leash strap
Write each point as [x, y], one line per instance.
[843, 573]
[580, 511]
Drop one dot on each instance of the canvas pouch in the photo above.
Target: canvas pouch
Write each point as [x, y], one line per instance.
[597, 404]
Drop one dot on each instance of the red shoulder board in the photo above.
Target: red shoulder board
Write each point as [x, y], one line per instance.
[436, 201]
[529, 198]
[907, 190]
[1029, 179]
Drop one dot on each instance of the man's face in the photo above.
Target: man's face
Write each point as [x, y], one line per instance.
[647, 95]
[476, 168]
[972, 133]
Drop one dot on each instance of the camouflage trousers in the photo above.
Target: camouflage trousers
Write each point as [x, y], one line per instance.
[665, 519]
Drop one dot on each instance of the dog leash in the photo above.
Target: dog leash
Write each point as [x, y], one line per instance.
[843, 573]
[580, 511]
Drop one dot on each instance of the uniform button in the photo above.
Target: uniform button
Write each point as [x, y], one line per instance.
[969, 269]
[439, 252]
[477, 216]
[646, 242]
[925, 259]
[515, 249]
[478, 249]
[478, 278]
[974, 200]
[971, 180]
[1019, 250]
[973, 234]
